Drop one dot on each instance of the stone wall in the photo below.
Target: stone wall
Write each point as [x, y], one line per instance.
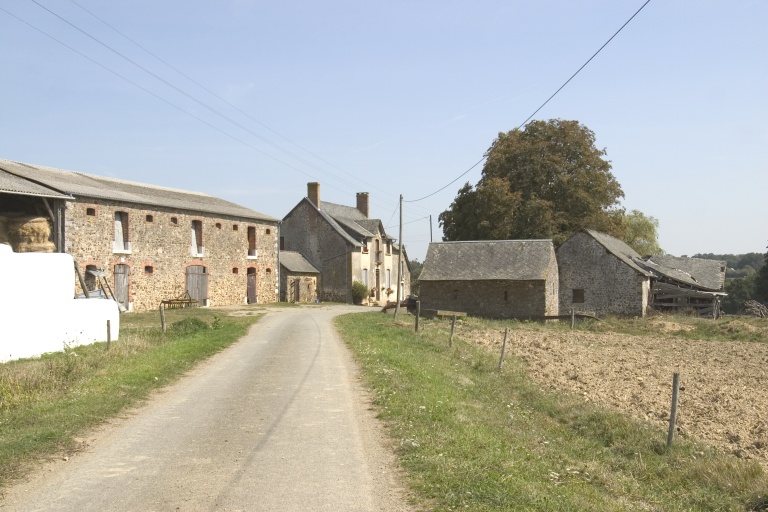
[610, 286]
[490, 299]
[160, 250]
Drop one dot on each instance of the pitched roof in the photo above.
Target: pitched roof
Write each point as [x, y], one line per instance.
[698, 271]
[295, 262]
[12, 184]
[80, 184]
[522, 260]
[620, 249]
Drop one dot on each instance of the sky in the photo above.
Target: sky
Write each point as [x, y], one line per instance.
[251, 100]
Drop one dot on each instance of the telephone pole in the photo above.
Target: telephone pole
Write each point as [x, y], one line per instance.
[399, 258]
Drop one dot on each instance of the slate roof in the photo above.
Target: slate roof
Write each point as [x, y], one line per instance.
[696, 272]
[79, 185]
[520, 260]
[704, 273]
[621, 250]
[295, 262]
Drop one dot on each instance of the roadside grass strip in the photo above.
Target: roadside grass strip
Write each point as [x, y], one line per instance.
[473, 437]
[47, 402]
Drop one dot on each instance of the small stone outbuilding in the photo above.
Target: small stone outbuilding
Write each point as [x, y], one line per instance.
[494, 279]
[298, 278]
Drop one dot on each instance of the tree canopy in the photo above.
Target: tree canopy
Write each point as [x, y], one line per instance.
[641, 233]
[545, 181]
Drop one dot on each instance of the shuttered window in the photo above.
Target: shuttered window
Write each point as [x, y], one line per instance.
[252, 242]
[197, 238]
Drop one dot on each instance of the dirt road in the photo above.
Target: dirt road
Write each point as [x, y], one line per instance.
[276, 422]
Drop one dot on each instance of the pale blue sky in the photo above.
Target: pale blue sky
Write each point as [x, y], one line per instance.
[398, 97]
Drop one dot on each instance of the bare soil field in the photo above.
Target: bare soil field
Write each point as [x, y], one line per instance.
[723, 398]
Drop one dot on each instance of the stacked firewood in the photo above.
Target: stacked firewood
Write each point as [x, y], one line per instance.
[754, 308]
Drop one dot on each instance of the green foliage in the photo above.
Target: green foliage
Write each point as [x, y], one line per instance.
[189, 325]
[359, 292]
[739, 291]
[641, 233]
[761, 282]
[545, 181]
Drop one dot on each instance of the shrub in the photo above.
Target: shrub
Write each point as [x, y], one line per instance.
[359, 292]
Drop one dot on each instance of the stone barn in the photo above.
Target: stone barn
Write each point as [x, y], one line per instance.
[602, 275]
[493, 279]
[298, 278]
[151, 243]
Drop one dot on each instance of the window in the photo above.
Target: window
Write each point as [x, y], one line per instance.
[90, 211]
[218, 225]
[235, 270]
[252, 252]
[578, 296]
[268, 231]
[149, 270]
[197, 238]
[150, 218]
[175, 221]
[121, 242]
[282, 243]
[234, 227]
[268, 271]
[389, 279]
[365, 276]
[506, 295]
[389, 247]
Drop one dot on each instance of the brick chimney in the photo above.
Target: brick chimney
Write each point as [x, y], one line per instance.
[313, 193]
[363, 203]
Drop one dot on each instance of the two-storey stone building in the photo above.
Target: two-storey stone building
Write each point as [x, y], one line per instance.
[345, 245]
[152, 243]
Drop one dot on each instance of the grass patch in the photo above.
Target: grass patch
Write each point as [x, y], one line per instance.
[475, 438]
[48, 401]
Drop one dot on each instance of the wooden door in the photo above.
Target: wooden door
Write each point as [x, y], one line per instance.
[197, 283]
[252, 286]
[297, 290]
[122, 283]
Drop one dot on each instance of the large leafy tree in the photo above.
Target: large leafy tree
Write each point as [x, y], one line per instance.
[641, 233]
[761, 282]
[545, 181]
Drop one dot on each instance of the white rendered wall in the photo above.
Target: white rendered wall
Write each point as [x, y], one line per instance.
[38, 313]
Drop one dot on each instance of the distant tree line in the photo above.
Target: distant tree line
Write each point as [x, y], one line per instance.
[746, 278]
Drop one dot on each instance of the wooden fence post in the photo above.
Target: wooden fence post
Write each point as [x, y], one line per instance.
[418, 314]
[673, 412]
[503, 347]
[573, 318]
[453, 325]
[109, 334]
[162, 316]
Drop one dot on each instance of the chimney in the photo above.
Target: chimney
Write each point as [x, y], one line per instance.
[313, 193]
[363, 203]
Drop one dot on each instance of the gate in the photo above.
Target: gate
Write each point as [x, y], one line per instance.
[122, 283]
[252, 286]
[197, 283]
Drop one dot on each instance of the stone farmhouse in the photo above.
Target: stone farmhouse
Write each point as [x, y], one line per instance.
[345, 245]
[150, 243]
[602, 275]
[495, 279]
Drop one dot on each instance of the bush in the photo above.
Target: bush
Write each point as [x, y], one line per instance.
[188, 326]
[359, 292]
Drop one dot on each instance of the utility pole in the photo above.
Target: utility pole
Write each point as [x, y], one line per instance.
[430, 228]
[399, 258]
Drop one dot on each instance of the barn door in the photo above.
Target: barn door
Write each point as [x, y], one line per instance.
[122, 282]
[297, 290]
[197, 283]
[251, 286]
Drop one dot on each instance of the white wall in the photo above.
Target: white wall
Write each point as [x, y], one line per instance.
[38, 313]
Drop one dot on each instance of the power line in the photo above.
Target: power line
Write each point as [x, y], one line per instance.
[585, 64]
[543, 104]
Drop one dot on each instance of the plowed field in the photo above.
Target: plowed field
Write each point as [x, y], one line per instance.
[724, 385]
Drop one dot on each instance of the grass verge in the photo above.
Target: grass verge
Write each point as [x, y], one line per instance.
[45, 403]
[472, 437]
